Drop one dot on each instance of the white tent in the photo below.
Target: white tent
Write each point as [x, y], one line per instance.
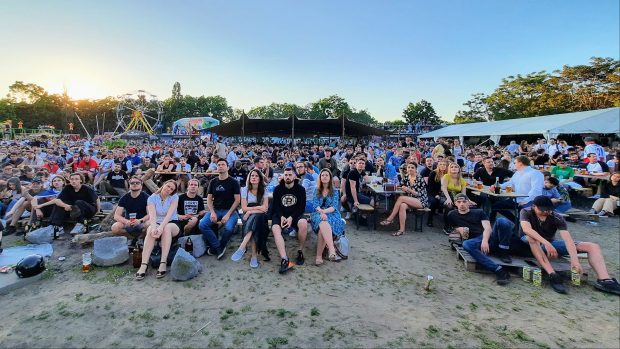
[550, 126]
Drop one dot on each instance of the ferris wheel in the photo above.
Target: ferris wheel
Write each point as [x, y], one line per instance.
[138, 111]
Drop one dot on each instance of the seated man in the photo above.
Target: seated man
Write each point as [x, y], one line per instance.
[482, 239]
[22, 205]
[77, 200]
[224, 195]
[540, 224]
[561, 200]
[131, 216]
[565, 175]
[86, 166]
[115, 182]
[289, 202]
[191, 208]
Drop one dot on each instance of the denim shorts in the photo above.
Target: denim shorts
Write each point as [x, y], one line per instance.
[559, 246]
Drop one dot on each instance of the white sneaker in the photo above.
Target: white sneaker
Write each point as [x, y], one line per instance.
[348, 215]
[603, 213]
[293, 233]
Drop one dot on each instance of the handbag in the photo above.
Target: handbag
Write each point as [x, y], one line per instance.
[342, 246]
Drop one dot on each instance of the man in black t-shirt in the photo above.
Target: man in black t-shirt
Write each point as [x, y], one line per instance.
[131, 216]
[77, 201]
[488, 173]
[191, 208]
[115, 182]
[222, 200]
[354, 186]
[539, 225]
[482, 238]
[239, 173]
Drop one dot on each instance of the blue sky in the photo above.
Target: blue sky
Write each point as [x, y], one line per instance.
[378, 55]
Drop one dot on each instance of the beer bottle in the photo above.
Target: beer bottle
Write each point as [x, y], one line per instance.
[136, 256]
[189, 246]
[497, 186]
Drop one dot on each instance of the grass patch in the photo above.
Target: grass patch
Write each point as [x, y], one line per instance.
[432, 331]
[282, 313]
[274, 342]
[315, 311]
[146, 316]
[228, 313]
[331, 332]
[246, 308]
[44, 315]
[522, 336]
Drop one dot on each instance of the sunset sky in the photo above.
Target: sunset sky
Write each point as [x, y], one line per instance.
[378, 55]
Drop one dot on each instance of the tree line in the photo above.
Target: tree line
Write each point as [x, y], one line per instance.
[572, 88]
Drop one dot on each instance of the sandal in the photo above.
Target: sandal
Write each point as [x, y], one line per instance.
[386, 222]
[334, 258]
[160, 274]
[140, 276]
[398, 233]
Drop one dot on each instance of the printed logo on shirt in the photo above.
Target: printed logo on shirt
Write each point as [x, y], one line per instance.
[190, 207]
[289, 200]
[220, 188]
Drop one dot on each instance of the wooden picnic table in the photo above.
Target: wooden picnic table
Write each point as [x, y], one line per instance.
[601, 176]
[502, 194]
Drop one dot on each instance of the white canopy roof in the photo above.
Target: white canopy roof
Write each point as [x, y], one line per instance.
[592, 121]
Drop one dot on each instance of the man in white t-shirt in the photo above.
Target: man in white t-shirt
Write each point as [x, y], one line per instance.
[592, 147]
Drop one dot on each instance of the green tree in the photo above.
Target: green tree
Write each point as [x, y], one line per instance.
[7, 110]
[277, 111]
[593, 86]
[421, 111]
[478, 110]
[333, 106]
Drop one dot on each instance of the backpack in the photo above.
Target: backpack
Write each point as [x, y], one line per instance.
[342, 246]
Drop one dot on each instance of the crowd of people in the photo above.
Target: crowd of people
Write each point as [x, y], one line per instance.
[304, 189]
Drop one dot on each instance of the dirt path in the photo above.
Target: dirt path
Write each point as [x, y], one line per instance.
[376, 299]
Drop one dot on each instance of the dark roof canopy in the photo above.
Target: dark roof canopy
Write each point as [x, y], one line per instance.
[246, 126]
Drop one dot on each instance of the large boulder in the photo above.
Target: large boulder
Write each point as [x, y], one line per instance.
[200, 248]
[184, 266]
[43, 235]
[110, 251]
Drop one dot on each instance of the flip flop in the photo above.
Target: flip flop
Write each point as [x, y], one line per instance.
[386, 222]
[398, 233]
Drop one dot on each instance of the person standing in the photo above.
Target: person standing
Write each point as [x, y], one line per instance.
[222, 200]
[525, 181]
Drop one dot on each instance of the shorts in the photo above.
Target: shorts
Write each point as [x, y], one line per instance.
[559, 245]
[135, 231]
[294, 224]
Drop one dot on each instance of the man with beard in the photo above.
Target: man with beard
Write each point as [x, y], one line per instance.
[289, 202]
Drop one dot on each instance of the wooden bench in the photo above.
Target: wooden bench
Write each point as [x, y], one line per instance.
[365, 209]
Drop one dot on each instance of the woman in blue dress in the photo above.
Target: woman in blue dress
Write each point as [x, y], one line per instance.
[325, 219]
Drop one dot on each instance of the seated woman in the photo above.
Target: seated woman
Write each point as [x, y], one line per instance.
[607, 205]
[452, 183]
[415, 197]
[162, 211]
[434, 193]
[254, 218]
[326, 220]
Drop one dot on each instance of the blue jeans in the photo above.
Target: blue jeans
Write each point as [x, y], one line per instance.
[563, 207]
[208, 234]
[500, 239]
[559, 245]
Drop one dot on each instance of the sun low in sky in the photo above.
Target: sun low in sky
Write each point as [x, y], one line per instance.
[378, 55]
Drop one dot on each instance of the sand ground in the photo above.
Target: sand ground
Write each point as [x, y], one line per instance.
[375, 299]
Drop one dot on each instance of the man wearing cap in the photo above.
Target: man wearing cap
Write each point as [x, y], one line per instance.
[482, 238]
[539, 225]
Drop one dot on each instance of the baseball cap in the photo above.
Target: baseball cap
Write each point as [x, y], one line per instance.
[460, 196]
[36, 180]
[543, 203]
